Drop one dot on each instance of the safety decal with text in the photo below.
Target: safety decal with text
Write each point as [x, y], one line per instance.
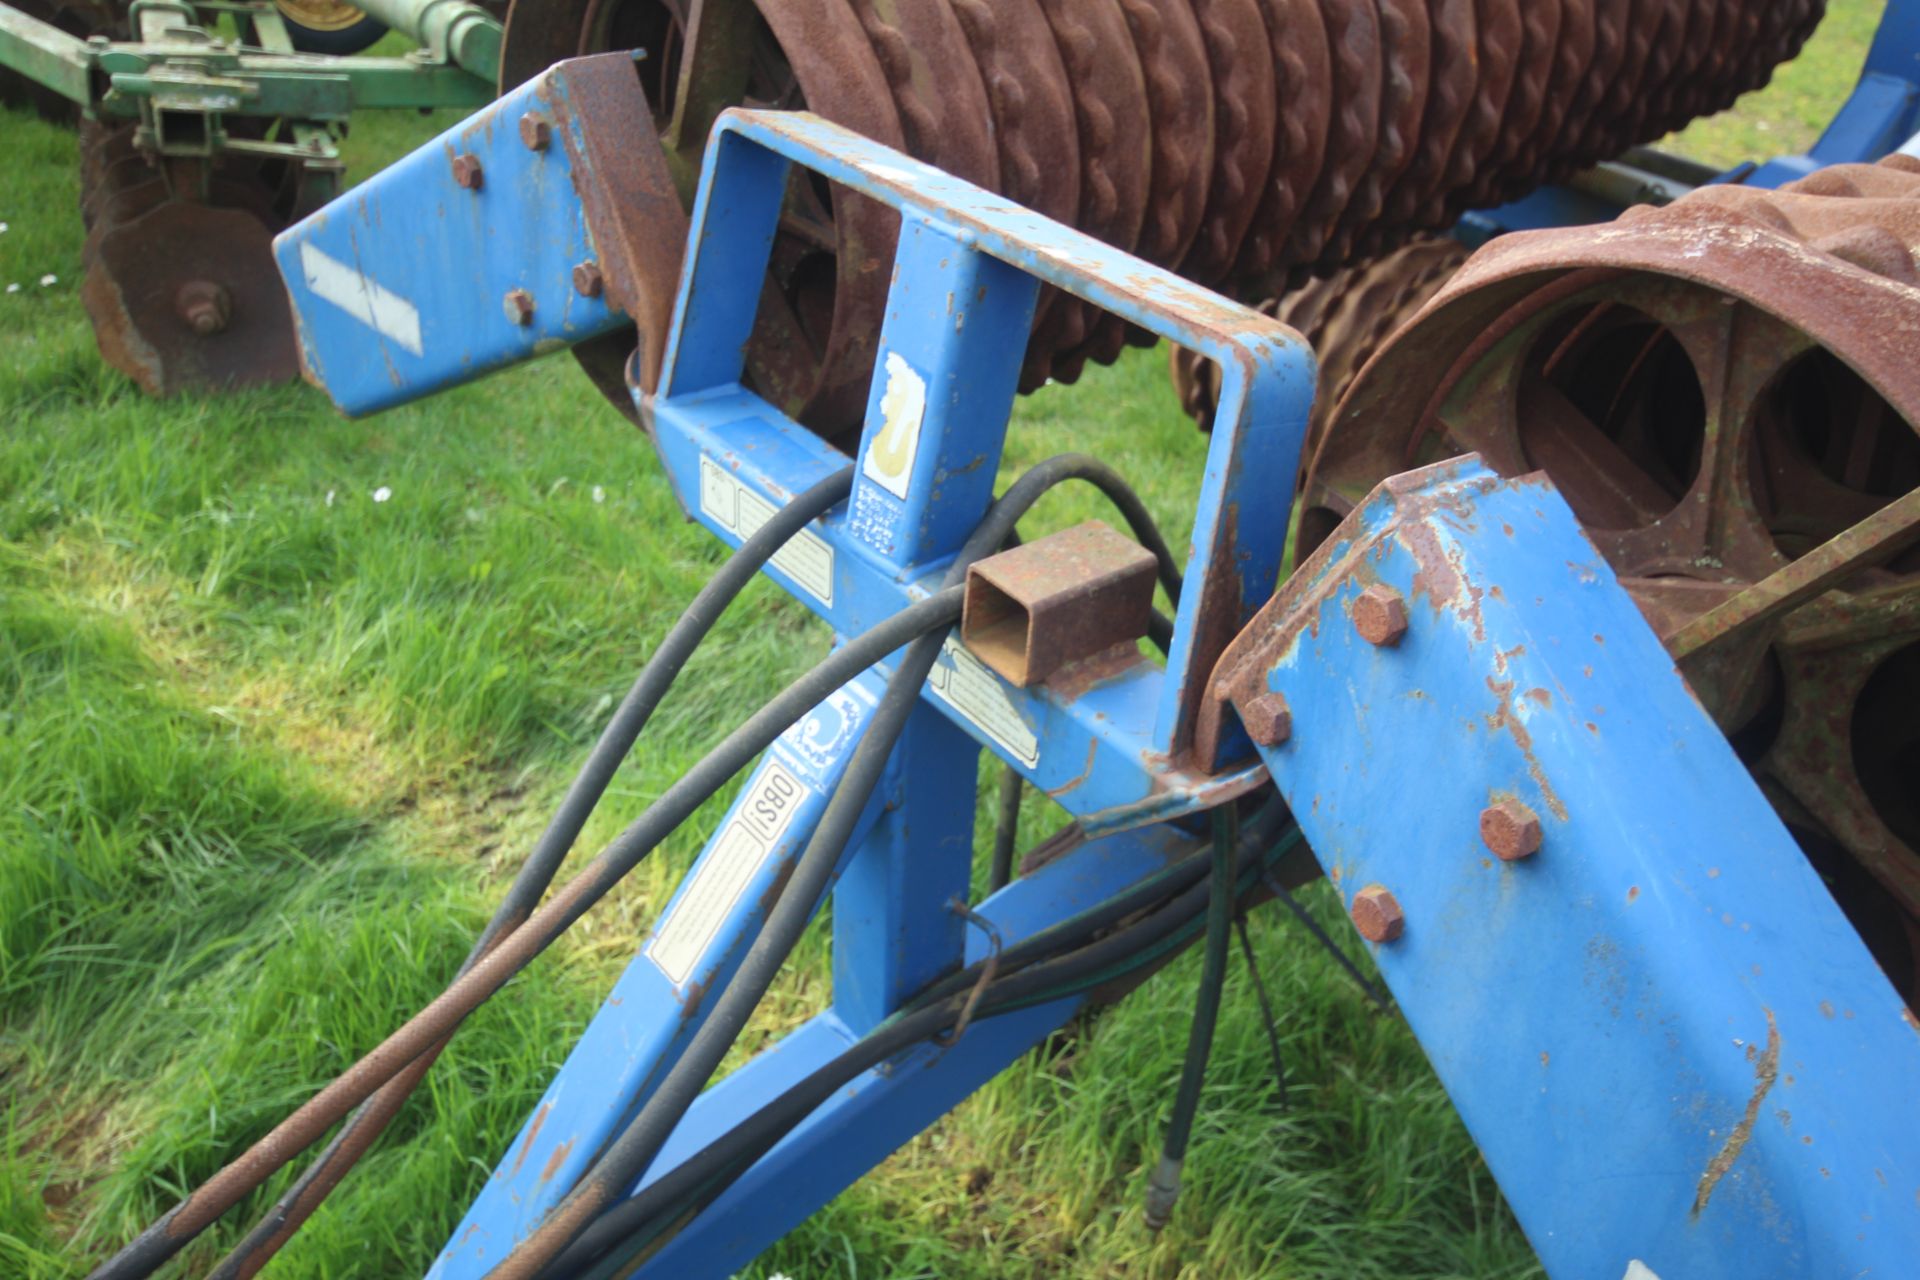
[807, 557]
[962, 682]
[726, 870]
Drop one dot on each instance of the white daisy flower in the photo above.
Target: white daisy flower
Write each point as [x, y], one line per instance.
[382, 494]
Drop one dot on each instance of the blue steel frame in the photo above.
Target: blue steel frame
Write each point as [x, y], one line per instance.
[1666, 1038]
[1116, 755]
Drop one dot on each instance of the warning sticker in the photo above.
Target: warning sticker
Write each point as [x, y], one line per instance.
[807, 558]
[903, 407]
[759, 820]
[962, 682]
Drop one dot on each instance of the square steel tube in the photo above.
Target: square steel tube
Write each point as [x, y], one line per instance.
[1068, 596]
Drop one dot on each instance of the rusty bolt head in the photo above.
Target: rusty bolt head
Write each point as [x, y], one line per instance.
[536, 131]
[1377, 914]
[1511, 830]
[204, 305]
[518, 304]
[466, 172]
[1380, 615]
[1268, 719]
[587, 281]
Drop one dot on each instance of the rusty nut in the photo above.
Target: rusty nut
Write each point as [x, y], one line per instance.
[467, 174]
[1268, 718]
[1380, 615]
[1377, 915]
[587, 280]
[1511, 830]
[536, 131]
[518, 305]
[204, 305]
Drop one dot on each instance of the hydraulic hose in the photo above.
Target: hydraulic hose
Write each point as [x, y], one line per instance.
[707, 1173]
[634, 1150]
[630, 1154]
[1163, 1186]
[179, 1225]
[366, 1124]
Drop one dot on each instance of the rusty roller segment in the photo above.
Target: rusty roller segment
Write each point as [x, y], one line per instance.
[1244, 143]
[1346, 317]
[1724, 391]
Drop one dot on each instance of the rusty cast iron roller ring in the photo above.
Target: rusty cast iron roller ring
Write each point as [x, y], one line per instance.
[1032, 106]
[1723, 392]
[1453, 76]
[1178, 80]
[936, 86]
[1245, 115]
[1499, 33]
[1303, 85]
[1406, 53]
[1533, 65]
[1353, 43]
[1114, 125]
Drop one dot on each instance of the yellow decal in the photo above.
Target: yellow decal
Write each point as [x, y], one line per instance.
[889, 461]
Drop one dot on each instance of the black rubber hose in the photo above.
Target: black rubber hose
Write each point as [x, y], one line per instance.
[1159, 630]
[362, 1128]
[1180, 877]
[739, 1147]
[630, 1154]
[1163, 1186]
[633, 1151]
[515, 950]
[1006, 830]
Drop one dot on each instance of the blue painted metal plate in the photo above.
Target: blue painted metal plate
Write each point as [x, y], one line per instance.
[388, 304]
[1662, 1032]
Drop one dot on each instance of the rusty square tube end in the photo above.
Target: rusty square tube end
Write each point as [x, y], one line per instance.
[1068, 596]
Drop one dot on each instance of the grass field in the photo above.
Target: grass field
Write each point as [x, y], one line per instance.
[270, 746]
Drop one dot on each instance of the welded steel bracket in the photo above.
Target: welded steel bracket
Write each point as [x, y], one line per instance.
[543, 221]
[1668, 1041]
[1114, 747]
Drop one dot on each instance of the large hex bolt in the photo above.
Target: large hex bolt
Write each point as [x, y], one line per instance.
[467, 174]
[1380, 615]
[1268, 718]
[536, 131]
[1511, 830]
[587, 280]
[518, 304]
[1377, 915]
[205, 305]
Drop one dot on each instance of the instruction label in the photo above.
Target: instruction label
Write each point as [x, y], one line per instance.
[728, 502]
[717, 884]
[964, 683]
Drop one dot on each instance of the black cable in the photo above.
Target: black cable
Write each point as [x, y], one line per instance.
[1266, 1009]
[1331, 947]
[1006, 829]
[1159, 631]
[628, 1157]
[1163, 1187]
[514, 951]
[1261, 829]
[549, 852]
[708, 1172]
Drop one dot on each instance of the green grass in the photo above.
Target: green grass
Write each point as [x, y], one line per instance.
[269, 749]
